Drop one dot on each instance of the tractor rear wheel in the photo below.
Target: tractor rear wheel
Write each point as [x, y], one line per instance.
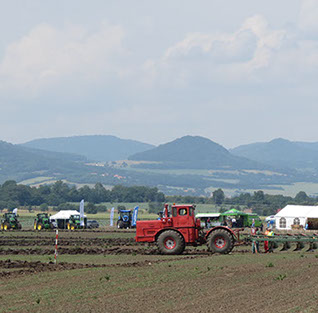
[220, 241]
[2, 226]
[19, 226]
[170, 242]
[68, 226]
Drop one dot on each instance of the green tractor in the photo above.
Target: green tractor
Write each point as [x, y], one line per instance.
[75, 222]
[42, 221]
[10, 221]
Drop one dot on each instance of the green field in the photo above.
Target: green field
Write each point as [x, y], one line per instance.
[139, 282]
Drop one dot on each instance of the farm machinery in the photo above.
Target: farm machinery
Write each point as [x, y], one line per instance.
[74, 222]
[42, 221]
[127, 218]
[178, 227]
[287, 241]
[10, 221]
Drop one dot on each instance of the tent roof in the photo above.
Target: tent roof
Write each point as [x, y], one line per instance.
[200, 215]
[313, 213]
[64, 214]
[298, 211]
[234, 212]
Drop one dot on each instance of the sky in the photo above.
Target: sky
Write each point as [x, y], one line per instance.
[233, 71]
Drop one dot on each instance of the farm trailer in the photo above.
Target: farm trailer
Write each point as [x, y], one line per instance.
[177, 228]
[287, 240]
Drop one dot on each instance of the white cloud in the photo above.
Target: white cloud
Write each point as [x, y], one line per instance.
[47, 55]
[219, 56]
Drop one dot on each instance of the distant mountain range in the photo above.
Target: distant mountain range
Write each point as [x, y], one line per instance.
[187, 165]
[96, 148]
[21, 163]
[281, 153]
[193, 152]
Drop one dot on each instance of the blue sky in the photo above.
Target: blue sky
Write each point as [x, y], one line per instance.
[233, 71]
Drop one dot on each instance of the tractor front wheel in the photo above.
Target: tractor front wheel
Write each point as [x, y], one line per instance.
[220, 241]
[19, 226]
[170, 242]
[6, 226]
[120, 224]
[68, 226]
[39, 226]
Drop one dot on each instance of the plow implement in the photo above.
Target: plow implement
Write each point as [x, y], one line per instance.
[286, 242]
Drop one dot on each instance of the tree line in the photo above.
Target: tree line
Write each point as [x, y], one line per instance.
[61, 195]
[259, 202]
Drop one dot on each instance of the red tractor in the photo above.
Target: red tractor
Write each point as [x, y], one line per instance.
[179, 227]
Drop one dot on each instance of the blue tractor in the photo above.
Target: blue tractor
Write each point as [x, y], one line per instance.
[127, 218]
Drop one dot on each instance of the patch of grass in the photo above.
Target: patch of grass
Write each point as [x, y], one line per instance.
[281, 277]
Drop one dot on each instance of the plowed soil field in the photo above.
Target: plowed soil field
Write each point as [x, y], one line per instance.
[107, 271]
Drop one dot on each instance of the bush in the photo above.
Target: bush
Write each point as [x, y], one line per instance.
[91, 208]
[155, 207]
[44, 207]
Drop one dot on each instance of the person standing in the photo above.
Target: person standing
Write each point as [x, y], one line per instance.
[253, 223]
[253, 233]
[271, 243]
[233, 222]
[266, 241]
[208, 223]
[258, 233]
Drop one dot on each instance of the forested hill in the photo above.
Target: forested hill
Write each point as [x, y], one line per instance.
[193, 152]
[281, 153]
[95, 148]
[20, 163]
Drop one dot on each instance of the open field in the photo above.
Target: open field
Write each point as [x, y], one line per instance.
[106, 271]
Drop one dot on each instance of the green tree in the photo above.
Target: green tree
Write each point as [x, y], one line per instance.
[218, 196]
[44, 207]
[301, 197]
[91, 208]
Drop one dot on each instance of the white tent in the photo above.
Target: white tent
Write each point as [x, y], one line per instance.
[64, 214]
[61, 218]
[295, 215]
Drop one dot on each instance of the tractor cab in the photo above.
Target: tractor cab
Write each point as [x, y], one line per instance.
[75, 219]
[75, 222]
[42, 221]
[10, 217]
[10, 221]
[43, 218]
[124, 219]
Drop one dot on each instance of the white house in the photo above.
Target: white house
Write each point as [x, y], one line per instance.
[295, 215]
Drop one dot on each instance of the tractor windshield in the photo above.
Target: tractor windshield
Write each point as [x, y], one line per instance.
[10, 216]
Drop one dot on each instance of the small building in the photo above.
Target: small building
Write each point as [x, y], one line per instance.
[296, 217]
[61, 218]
